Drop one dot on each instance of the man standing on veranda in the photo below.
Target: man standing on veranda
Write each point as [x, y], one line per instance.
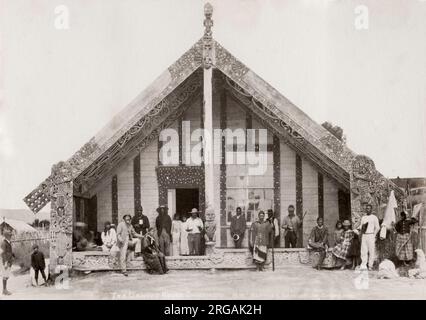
[291, 226]
[163, 224]
[238, 228]
[127, 237]
[194, 227]
[369, 227]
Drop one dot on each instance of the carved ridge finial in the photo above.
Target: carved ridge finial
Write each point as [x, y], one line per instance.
[208, 22]
[207, 38]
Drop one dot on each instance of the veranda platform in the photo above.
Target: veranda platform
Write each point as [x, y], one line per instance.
[220, 259]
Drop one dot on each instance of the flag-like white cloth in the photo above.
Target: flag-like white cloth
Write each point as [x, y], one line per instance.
[390, 211]
[389, 217]
[416, 211]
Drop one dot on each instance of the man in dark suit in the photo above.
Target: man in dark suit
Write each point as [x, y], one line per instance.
[238, 228]
[164, 229]
[140, 222]
[6, 259]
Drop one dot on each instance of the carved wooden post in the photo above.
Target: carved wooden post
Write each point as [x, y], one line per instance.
[208, 129]
[61, 215]
[361, 182]
[368, 186]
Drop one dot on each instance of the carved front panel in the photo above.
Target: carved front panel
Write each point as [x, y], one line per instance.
[61, 224]
[368, 186]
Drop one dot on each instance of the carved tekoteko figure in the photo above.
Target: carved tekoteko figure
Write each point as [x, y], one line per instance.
[210, 226]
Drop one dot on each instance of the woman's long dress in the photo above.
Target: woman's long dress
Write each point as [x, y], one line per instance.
[261, 235]
[176, 231]
[184, 248]
[152, 256]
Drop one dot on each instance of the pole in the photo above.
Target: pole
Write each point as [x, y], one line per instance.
[208, 59]
[273, 244]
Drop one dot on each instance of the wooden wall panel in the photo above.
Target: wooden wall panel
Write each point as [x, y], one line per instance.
[310, 198]
[331, 205]
[149, 185]
[288, 180]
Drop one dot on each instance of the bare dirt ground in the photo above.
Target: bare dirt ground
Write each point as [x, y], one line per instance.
[292, 282]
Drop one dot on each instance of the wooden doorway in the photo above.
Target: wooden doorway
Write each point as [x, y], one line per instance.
[186, 199]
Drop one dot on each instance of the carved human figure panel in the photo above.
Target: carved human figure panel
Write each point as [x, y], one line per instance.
[210, 224]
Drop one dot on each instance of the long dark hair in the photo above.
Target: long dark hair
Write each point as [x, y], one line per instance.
[107, 223]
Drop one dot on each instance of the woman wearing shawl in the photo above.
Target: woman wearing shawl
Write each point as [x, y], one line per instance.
[404, 245]
[340, 251]
[259, 239]
[152, 255]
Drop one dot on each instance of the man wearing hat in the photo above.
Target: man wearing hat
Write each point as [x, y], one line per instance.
[6, 258]
[140, 221]
[194, 227]
[275, 227]
[164, 229]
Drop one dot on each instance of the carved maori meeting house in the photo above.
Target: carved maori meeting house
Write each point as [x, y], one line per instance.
[122, 166]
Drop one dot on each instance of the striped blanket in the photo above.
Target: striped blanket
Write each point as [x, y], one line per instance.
[404, 247]
[259, 253]
[341, 249]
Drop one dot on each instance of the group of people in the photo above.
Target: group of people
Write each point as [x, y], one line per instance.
[291, 226]
[352, 246]
[359, 245]
[265, 233]
[184, 236]
[180, 236]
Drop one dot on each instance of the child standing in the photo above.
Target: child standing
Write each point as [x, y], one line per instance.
[354, 252]
[38, 264]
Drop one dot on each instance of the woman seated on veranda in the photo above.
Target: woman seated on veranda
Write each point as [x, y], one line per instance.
[109, 239]
[153, 257]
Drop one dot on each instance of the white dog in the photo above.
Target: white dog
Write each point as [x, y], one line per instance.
[419, 272]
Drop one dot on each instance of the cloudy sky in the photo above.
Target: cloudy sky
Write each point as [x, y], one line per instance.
[59, 87]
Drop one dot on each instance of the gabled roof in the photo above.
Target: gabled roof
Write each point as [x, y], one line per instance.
[140, 122]
[123, 126]
[18, 225]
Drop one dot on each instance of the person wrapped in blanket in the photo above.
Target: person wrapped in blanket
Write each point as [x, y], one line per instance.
[318, 242]
[153, 257]
[341, 249]
[404, 245]
[260, 237]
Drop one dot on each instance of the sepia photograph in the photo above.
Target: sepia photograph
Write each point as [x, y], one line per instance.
[216, 150]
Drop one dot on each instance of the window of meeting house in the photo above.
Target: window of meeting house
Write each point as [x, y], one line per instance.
[251, 190]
